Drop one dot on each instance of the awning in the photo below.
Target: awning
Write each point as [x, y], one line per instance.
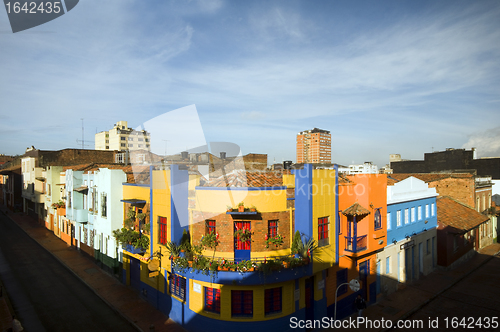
[40, 179]
[81, 189]
[134, 201]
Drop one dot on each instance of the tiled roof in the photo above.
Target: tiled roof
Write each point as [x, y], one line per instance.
[355, 210]
[242, 178]
[460, 217]
[426, 177]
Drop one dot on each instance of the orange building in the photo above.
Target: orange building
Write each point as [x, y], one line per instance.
[314, 146]
[362, 232]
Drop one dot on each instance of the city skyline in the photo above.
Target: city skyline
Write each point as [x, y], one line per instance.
[384, 78]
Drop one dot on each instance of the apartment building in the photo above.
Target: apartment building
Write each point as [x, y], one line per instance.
[123, 138]
[314, 146]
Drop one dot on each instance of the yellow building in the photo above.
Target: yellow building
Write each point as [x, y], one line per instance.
[240, 272]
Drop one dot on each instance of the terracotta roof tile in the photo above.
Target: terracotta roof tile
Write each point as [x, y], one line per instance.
[355, 210]
[454, 214]
[242, 178]
[428, 177]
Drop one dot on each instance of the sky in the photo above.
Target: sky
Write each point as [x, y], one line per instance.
[384, 77]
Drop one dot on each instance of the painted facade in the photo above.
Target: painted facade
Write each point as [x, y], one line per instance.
[411, 249]
[180, 201]
[362, 234]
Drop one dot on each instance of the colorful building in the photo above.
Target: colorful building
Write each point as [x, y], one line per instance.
[362, 233]
[235, 296]
[411, 234]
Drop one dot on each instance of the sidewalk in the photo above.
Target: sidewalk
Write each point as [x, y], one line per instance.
[121, 298]
[403, 303]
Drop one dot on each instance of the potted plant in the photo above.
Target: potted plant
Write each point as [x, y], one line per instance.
[241, 207]
[210, 240]
[274, 240]
[229, 208]
[253, 208]
[243, 234]
[173, 249]
[297, 241]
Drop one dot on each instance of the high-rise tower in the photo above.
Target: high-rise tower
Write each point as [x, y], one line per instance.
[314, 146]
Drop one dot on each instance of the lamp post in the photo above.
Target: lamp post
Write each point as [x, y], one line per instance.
[353, 284]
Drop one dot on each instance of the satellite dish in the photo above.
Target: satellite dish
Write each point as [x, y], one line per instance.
[354, 285]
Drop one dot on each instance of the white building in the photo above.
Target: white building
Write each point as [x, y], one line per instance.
[366, 168]
[123, 138]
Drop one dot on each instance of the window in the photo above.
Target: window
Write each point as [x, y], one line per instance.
[272, 301]
[123, 145]
[407, 218]
[212, 300]
[419, 212]
[241, 303]
[432, 210]
[210, 227]
[413, 214]
[162, 230]
[323, 231]
[95, 201]
[130, 138]
[378, 219]
[427, 210]
[398, 218]
[272, 228]
[342, 279]
[388, 220]
[131, 145]
[123, 138]
[388, 265]
[178, 286]
[104, 206]
[140, 139]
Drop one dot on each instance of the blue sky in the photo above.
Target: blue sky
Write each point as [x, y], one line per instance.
[384, 77]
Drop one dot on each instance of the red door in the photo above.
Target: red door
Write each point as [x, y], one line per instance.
[242, 248]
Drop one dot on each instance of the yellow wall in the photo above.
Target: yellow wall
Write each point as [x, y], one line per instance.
[197, 300]
[161, 208]
[216, 200]
[323, 192]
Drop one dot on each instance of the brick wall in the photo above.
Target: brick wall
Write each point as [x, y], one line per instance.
[461, 189]
[259, 226]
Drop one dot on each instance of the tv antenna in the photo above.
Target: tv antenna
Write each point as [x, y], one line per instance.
[82, 141]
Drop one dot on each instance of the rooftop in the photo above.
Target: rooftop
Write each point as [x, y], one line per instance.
[457, 215]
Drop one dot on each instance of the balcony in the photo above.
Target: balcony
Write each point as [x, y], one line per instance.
[356, 244]
[81, 215]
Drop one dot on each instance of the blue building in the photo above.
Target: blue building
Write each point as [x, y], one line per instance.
[411, 249]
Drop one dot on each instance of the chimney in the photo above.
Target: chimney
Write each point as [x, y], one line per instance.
[184, 155]
[287, 164]
[222, 155]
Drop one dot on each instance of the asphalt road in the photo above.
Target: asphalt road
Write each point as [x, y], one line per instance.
[45, 295]
[473, 304]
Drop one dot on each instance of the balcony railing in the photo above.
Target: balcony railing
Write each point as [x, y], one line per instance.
[356, 244]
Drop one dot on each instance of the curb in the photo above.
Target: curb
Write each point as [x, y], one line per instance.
[76, 275]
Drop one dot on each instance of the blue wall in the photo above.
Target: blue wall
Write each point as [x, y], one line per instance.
[303, 200]
[399, 233]
[179, 202]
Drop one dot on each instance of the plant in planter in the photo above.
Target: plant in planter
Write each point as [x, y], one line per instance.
[243, 234]
[145, 228]
[181, 264]
[132, 238]
[297, 241]
[210, 240]
[305, 248]
[229, 208]
[269, 266]
[241, 207]
[173, 249]
[253, 208]
[58, 205]
[244, 266]
[274, 240]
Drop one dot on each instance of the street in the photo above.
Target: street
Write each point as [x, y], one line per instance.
[45, 294]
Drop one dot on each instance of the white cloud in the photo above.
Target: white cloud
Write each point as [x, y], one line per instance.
[487, 143]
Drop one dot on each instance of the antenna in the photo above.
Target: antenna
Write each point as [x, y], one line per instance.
[83, 140]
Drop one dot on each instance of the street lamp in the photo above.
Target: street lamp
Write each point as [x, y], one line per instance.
[353, 284]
